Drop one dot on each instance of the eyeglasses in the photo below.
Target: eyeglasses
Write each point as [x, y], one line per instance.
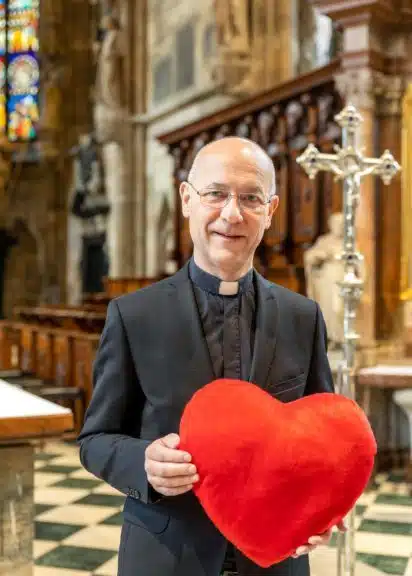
[248, 201]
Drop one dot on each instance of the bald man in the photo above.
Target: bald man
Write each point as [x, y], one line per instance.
[217, 317]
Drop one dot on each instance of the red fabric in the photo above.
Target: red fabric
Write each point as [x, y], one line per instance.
[273, 474]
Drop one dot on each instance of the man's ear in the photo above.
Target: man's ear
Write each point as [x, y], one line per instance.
[184, 191]
[273, 206]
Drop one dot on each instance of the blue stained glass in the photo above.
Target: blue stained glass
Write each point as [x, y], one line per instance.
[19, 69]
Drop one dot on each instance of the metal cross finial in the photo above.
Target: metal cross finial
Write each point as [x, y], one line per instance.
[349, 160]
[349, 165]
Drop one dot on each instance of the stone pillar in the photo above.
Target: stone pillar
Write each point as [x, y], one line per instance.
[112, 94]
[118, 239]
[138, 130]
[368, 81]
[16, 510]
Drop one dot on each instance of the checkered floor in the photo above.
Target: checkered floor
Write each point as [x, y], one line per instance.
[78, 520]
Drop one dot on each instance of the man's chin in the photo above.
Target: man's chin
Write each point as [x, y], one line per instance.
[227, 255]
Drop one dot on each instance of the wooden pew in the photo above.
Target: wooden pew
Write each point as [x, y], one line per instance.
[117, 286]
[9, 345]
[54, 363]
[51, 348]
[88, 318]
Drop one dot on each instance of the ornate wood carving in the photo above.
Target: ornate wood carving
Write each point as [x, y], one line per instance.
[282, 121]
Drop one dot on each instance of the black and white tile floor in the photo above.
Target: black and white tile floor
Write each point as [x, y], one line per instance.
[78, 520]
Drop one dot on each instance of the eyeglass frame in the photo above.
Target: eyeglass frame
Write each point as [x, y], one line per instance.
[230, 195]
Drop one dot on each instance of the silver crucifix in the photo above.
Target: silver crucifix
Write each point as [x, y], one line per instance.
[350, 166]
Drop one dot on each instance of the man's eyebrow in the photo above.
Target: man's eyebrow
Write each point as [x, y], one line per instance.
[217, 185]
[248, 189]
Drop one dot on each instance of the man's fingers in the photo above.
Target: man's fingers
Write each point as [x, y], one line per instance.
[303, 550]
[319, 540]
[178, 482]
[169, 470]
[174, 491]
[342, 526]
[161, 453]
[170, 441]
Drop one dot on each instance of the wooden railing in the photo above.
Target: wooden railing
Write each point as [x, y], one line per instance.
[283, 121]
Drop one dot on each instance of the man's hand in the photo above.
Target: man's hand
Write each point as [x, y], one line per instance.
[320, 540]
[168, 469]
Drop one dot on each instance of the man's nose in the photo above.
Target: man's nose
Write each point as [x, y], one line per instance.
[232, 212]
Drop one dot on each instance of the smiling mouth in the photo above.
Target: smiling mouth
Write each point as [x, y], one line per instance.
[228, 236]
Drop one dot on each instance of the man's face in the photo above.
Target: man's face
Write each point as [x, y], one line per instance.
[225, 239]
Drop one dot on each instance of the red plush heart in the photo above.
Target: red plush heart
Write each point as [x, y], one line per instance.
[272, 474]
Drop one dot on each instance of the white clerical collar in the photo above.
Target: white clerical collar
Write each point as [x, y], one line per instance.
[228, 288]
[215, 285]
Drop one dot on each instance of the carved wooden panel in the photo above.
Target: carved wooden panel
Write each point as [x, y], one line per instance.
[9, 346]
[63, 359]
[84, 351]
[45, 359]
[28, 353]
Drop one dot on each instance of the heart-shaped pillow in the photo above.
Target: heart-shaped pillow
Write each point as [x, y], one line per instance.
[273, 474]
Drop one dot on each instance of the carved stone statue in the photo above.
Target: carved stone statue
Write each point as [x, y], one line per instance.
[91, 206]
[232, 24]
[322, 272]
[110, 81]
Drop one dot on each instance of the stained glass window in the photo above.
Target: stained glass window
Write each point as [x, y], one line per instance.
[19, 69]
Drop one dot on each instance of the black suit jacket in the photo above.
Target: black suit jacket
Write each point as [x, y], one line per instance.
[153, 356]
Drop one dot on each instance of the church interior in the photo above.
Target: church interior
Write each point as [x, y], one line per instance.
[103, 107]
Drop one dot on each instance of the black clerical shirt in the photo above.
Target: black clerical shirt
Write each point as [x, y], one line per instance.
[228, 322]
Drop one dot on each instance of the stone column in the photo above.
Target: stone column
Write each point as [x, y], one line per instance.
[137, 131]
[112, 96]
[16, 510]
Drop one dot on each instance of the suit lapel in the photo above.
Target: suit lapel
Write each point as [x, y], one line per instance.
[190, 348]
[265, 333]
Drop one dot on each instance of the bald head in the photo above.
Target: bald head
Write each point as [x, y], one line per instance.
[236, 151]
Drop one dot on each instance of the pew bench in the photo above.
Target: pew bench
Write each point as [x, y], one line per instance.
[88, 318]
[53, 363]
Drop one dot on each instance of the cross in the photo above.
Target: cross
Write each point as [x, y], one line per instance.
[349, 165]
[348, 161]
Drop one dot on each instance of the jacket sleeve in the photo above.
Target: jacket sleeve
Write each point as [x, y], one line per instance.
[110, 447]
[320, 375]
